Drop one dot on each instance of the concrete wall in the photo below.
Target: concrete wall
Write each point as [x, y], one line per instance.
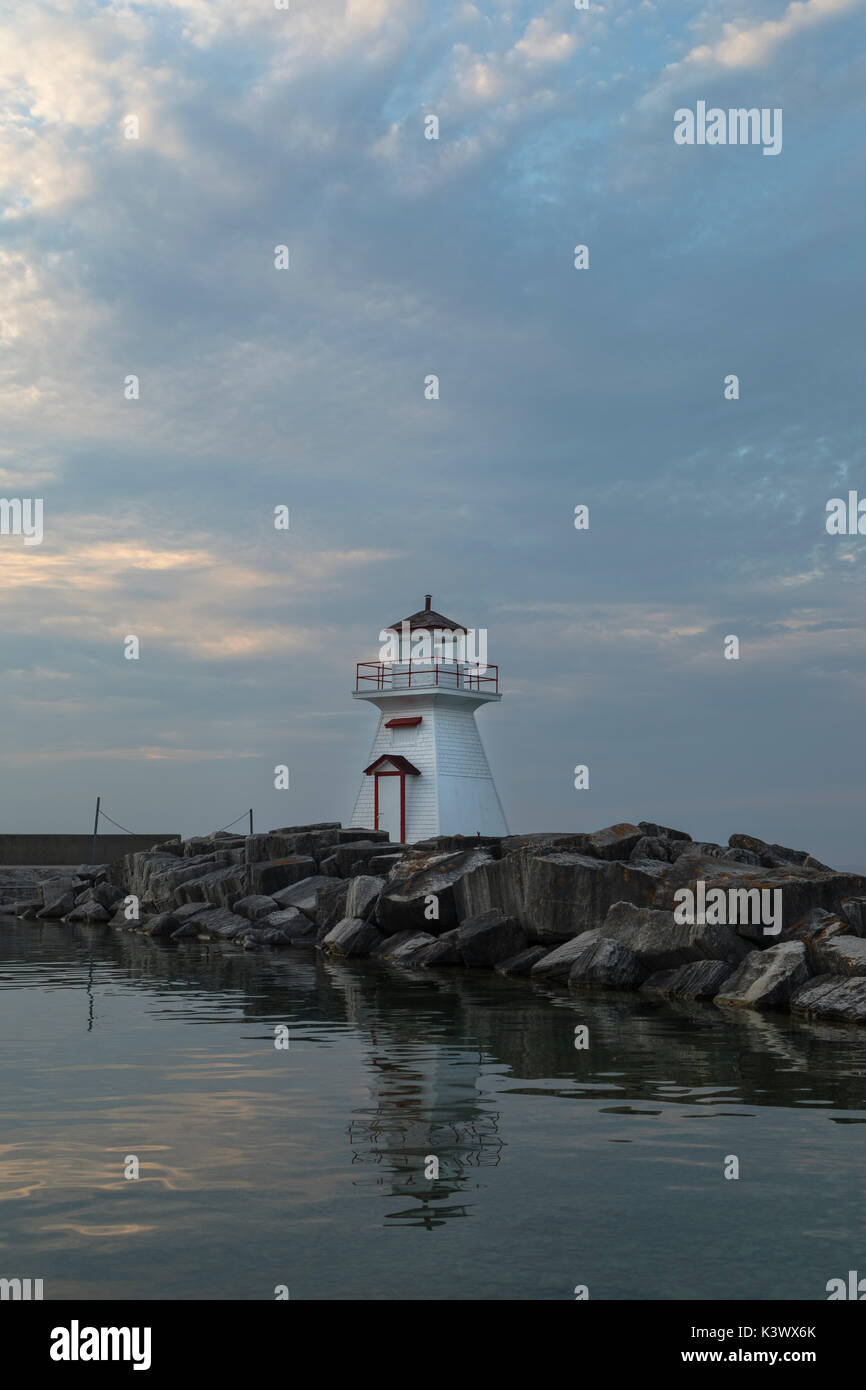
[74, 849]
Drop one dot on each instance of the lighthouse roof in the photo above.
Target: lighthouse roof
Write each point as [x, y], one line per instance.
[427, 617]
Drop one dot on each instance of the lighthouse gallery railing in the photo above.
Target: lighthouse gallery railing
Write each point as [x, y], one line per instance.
[405, 675]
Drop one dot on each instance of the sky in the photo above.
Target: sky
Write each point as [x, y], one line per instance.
[260, 387]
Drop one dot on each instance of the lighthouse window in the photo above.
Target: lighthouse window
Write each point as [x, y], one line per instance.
[403, 737]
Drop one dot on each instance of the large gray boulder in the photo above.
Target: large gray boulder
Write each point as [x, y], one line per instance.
[558, 894]
[615, 841]
[776, 856]
[351, 937]
[444, 950]
[802, 887]
[854, 912]
[661, 943]
[766, 979]
[330, 906]
[272, 875]
[89, 911]
[165, 924]
[218, 887]
[650, 847]
[303, 895]
[701, 979]
[404, 948]
[489, 938]
[56, 907]
[815, 928]
[520, 966]
[341, 861]
[833, 997]
[405, 901]
[255, 907]
[840, 955]
[662, 832]
[363, 895]
[604, 963]
[292, 924]
[555, 966]
[219, 922]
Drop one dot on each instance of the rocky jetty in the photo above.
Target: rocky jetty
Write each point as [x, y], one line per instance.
[747, 925]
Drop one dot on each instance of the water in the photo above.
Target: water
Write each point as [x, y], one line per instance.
[263, 1167]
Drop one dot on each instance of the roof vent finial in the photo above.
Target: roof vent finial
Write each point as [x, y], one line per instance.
[427, 601]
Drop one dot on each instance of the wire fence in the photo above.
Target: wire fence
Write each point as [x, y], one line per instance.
[105, 816]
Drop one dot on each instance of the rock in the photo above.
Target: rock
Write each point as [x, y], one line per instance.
[661, 832]
[166, 924]
[832, 996]
[815, 927]
[839, 955]
[351, 937]
[649, 847]
[187, 911]
[106, 895]
[383, 863]
[556, 895]
[292, 924]
[25, 905]
[216, 886]
[354, 837]
[404, 948]
[615, 841]
[776, 856]
[275, 874]
[661, 943]
[766, 979]
[255, 907]
[555, 966]
[802, 888]
[403, 902]
[302, 895]
[330, 906]
[344, 858]
[216, 921]
[55, 887]
[444, 950]
[854, 912]
[186, 929]
[90, 912]
[604, 963]
[741, 856]
[362, 896]
[701, 979]
[58, 907]
[521, 965]
[489, 938]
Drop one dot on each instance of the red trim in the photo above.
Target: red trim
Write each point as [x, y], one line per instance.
[401, 764]
[403, 723]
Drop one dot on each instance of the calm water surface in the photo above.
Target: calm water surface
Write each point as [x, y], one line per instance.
[305, 1167]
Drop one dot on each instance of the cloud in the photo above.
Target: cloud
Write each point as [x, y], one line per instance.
[749, 45]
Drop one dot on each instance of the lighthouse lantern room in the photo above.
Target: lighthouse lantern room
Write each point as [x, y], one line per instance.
[428, 773]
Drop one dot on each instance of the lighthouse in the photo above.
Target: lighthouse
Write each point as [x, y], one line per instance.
[428, 773]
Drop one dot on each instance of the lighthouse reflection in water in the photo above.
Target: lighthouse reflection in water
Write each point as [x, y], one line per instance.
[426, 1116]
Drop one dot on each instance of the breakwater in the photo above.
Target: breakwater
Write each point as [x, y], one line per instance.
[747, 925]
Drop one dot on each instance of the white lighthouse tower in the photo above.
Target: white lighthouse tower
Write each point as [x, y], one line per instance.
[428, 773]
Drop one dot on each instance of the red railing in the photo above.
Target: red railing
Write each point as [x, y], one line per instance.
[405, 675]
